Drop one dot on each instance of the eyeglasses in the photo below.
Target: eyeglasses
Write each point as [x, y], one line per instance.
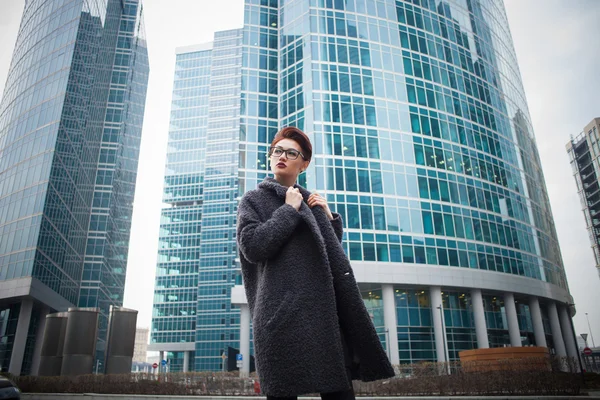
[290, 154]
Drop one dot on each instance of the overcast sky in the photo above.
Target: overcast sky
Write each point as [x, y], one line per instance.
[557, 44]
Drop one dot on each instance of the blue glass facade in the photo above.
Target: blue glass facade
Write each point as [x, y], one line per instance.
[54, 121]
[105, 265]
[423, 143]
[201, 187]
[177, 272]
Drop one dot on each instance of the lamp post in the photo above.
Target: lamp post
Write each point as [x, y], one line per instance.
[569, 305]
[590, 328]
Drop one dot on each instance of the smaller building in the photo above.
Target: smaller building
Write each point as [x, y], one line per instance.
[140, 349]
[584, 155]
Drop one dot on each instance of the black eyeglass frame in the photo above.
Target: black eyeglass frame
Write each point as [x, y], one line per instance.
[287, 154]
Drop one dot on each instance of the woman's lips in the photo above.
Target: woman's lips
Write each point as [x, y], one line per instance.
[281, 165]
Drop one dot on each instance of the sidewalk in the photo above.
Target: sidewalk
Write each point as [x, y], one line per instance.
[91, 396]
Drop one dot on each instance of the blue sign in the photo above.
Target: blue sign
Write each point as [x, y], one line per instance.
[239, 357]
[164, 362]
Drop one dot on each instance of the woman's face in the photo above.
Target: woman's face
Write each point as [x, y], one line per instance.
[284, 167]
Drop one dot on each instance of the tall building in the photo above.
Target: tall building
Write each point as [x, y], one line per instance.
[192, 316]
[422, 141]
[140, 349]
[584, 154]
[70, 126]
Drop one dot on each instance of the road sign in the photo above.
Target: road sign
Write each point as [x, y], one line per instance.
[155, 365]
[238, 363]
[239, 357]
[224, 356]
[164, 362]
[587, 351]
[584, 337]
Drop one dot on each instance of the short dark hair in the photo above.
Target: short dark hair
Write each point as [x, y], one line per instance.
[295, 134]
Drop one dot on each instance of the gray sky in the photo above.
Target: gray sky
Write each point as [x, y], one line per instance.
[557, 44]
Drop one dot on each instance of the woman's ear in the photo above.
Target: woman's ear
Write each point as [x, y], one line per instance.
[305, 166]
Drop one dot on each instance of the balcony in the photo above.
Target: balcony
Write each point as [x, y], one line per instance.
[584, 167]
[588, 178]
[581, 152]
[593, 191]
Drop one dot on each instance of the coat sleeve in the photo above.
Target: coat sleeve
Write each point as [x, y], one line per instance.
[338, 225]
[258, 241]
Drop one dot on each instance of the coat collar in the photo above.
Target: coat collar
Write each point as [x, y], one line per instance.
[271, 184]
[313, 217]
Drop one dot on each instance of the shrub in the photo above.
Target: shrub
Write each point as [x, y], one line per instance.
[421, 379]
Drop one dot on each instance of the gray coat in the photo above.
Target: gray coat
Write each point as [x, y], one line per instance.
[303, 298]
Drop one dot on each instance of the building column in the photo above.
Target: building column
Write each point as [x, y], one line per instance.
[435, 294]
[161, 355]
[39, 338]
[536, 320]
[557, 338]
[512, 320]
[479, 317]
[18, 350]
[245, 339]
[390, 322]
[186, 361]
[565, 323]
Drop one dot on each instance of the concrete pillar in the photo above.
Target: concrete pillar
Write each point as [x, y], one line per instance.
[557, 338]
[567, 331]
[536, 320]
[435, 294]
[479, 317]
[390, 322]
[18, 350]
[161, 355]
[39, 339]
[245, 339]
[512, 320]
[186, 361]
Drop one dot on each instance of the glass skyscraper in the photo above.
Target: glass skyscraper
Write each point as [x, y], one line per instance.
[584, 155]
[422, 142]
[70, 126]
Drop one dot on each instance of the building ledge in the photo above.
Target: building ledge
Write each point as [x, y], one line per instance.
[185, 346]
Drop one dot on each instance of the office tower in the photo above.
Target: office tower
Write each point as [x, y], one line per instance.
[140, 351]
[70, 126]
[422, 142]
[584, 152]
[192, 316]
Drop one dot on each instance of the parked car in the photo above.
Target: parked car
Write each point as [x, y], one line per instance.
[8, 389]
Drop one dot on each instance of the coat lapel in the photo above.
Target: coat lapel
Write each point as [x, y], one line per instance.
[310, 216]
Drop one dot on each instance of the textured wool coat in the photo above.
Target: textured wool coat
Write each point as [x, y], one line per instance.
[309, 319]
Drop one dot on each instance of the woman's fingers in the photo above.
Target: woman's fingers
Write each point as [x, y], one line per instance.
[315, 199]
[316, 203]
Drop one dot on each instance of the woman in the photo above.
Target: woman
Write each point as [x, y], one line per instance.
[312, 332]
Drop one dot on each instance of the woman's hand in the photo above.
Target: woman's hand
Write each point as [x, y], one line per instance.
[293, 197]
[316, 199]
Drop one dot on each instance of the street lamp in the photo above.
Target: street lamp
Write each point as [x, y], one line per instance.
[569, 307]
[590, 328]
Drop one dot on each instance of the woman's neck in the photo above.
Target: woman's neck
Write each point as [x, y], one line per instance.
[287, 182]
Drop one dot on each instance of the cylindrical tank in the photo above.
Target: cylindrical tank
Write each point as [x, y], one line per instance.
[51, 354]
[121, 340]
[80, 341]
